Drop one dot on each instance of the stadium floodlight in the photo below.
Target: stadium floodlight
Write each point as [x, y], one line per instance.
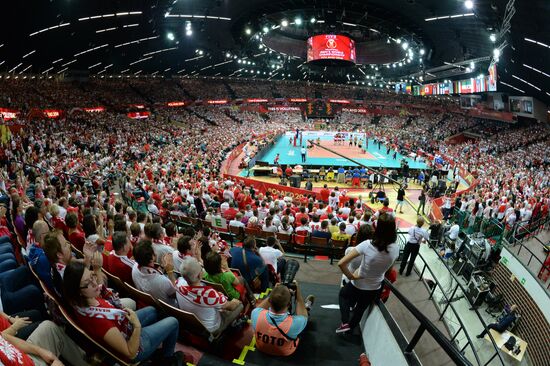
[472, 65]
[265, 29]
[493, 37]
[298, 21]
[398, 40]
[468, 69]
[170, 36]
[228, 55]
[189, 32]
[284, 23]
[248, 31]
[405, 45]
[496, 53]
[469, 4]
[312, 20]
[422, 51]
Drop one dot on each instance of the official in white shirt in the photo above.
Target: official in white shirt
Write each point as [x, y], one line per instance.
[416, 236]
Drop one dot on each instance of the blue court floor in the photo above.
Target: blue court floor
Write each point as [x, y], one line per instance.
[291, 155]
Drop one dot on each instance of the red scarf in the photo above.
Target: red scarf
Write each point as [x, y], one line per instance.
[118, 315]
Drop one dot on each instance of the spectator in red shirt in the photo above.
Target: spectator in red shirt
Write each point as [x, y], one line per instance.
[231, 212]
[118, 262]
[298, 217]
[133, 335]
[75, 236]
[325, 193]
[56, 221]
[288, 171]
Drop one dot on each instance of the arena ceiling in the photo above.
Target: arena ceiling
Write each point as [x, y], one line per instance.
[244, 38]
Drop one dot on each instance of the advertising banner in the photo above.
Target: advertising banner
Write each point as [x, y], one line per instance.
[274, 189]
[139, 115]
[283, 109]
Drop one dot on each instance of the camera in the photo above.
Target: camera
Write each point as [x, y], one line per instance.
[291, 268]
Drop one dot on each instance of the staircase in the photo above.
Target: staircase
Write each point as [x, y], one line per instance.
[228, 114]
[230, 91]
[185, 92]
[204, 118]
[141, 94]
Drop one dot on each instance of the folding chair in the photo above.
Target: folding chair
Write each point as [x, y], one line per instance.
[143, 299]
[284, 239]
[339, 247]
[96, 346]
[301, 239]
[322, 244]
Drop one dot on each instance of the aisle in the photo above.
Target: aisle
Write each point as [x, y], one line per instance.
[319, 345]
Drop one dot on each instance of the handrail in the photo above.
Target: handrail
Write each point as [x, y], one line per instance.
[426, 324]
[528, 228]
[526, 266]
[459, 285]
[449, 304]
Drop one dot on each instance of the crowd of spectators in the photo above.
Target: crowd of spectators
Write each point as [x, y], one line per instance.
[33, 92]
[62, 181]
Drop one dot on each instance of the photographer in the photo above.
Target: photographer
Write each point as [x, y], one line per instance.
[277, 331]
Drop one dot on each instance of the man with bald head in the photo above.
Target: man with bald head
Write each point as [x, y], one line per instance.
[39, 231]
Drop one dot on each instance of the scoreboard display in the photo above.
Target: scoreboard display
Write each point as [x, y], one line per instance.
[319, 109]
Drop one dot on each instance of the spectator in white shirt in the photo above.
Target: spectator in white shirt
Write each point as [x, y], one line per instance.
[345, 210]
[333, 200]
[248, 211]
[272, 254]
[211, 307]
[304, 226]
[285, 227]
[186, 246]
[228, 195]
[224, 206]
[453, 232]
[350, 226]
[237, 221]
[315, 224]
[416, 235]
[268, 225]
[151, 280]
[153, 208]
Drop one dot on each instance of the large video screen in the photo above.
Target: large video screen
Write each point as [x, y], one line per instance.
[330, 47]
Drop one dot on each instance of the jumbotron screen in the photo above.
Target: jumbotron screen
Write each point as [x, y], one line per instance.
[330, 47]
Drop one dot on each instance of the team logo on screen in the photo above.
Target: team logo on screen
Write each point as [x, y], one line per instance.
[331, 43]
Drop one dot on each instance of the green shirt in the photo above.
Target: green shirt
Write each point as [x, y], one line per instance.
[225, 279]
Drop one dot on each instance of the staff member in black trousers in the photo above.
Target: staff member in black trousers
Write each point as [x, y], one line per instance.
[416, 235]
[421, 203]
